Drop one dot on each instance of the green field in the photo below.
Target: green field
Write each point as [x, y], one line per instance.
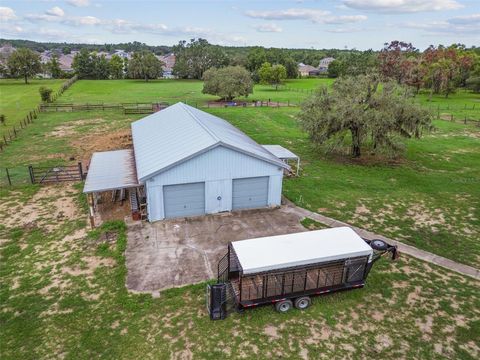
[62, 289]
[17, 99]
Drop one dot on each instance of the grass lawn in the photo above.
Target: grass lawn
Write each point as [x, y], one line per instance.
[62, 292]
[190, 91]
[18, 98]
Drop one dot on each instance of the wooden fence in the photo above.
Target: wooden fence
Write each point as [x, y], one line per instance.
[32, 114]
[128, 108]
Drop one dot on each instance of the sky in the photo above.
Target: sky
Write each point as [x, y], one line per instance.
[359, 24]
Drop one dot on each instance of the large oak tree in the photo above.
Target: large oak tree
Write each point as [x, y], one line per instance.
[361, 112]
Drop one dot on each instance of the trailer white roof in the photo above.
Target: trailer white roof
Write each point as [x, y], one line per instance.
[111, 170]
[284, 251]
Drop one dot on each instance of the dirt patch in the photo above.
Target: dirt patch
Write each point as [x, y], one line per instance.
[92, 263]
[105, 141]
[49, 205]
[271, 331]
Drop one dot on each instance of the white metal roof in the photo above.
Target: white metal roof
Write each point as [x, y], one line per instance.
[111, 170]
[180, 132]
[284, 251]
[280, 152]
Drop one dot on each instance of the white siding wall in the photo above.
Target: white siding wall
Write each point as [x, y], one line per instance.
[216, 168]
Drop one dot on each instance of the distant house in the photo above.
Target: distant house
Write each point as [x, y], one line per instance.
[66, 62]
[324, 63]
[306, 70]
[122, 53]
[5, 51]
[169, 61]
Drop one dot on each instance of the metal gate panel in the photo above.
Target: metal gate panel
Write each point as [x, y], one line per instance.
[184, 200]
[250, 193]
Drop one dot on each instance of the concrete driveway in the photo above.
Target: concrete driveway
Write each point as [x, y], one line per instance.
[178, 252]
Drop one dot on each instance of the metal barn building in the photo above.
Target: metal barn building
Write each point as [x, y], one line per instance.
[190, 163]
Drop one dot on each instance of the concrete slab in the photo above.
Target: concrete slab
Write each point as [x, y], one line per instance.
[178, 252]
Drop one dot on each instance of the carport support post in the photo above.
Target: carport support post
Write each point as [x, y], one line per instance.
[298, 166]
[90, 209]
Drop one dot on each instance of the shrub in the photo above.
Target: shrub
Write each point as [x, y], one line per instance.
[45, 93]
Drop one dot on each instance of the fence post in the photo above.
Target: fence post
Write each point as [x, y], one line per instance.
[80, 170]
[451, 117]
[32, 176]
[8, 177]
[5, 139]
[465, 121]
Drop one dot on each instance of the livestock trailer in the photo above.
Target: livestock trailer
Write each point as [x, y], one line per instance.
[287, 270]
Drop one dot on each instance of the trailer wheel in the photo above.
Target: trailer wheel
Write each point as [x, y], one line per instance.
[302, 302]
[378, 244]
[283, 306]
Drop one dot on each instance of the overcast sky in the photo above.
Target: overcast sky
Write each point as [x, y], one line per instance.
[360, 24]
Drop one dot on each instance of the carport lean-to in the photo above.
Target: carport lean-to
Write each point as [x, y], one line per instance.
[113, 171]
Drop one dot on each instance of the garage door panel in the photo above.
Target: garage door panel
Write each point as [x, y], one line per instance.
[250, 193]
[184, 200]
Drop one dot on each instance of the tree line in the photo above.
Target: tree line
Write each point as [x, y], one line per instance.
[438, 69]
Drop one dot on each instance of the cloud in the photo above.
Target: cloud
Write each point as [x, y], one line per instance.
[79, 3]
[9, 29]
[313, 15]
[344, 19]
[289, 14]
[66, 20]
[467, 19]
[468, 25]
[7, 13]
[55, 11]
[403, 6]
[268, 28]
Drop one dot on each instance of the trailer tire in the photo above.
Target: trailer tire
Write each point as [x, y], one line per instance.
[302, 303]
[377, 244]
[283, 306]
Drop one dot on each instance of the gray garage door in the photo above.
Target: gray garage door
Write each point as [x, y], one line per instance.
[184, 200]
[250, 193]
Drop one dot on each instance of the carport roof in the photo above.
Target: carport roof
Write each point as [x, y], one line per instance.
[111, 170]
[180, 132]
[281, 152]
[304, 248]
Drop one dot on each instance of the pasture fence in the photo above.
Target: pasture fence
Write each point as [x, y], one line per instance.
[12, 133]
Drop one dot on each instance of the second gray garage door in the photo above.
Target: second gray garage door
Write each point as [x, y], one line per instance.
[250, 193]
[184, 200]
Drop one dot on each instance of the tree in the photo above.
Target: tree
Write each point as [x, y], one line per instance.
[360, 112]
[273, 75]
[24, 63]
[336, 68]
[144, 65]
[101, 68]
[228, 82]
[83, 65]
[53, 67]
[116, 67]
[391, 58]
[194, 58]
[45, 93]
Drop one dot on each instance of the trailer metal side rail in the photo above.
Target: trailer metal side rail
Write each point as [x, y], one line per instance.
[312, 292]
